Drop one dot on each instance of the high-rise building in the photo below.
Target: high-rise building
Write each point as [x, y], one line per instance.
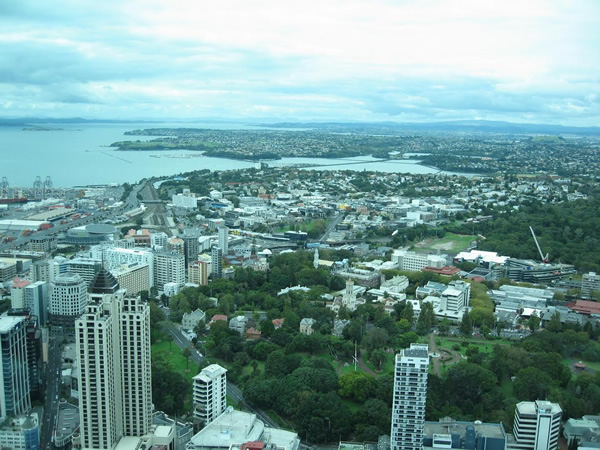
[410, 394]
[536, 426]
[114, 257]
[216, 262]
[158, 241]
[86, 267]
[210, 390]
[176, 245]
[17, 293]
[36, 300]
[198, 272]
[168, 268]
[590, 282]
[191, 248]
[223, 240]
[34, 350]
[68, 297]
[14, 376]
[133, 277]
[113, 355]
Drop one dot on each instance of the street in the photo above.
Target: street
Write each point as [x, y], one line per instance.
[53, 384]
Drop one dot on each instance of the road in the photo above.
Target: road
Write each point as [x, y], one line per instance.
[334, 223]
[53, 379]
[232, 390]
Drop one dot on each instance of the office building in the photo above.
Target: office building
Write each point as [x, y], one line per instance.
[198, 272]
[14, 376]
[411, 261]
[67, 300]
[410, 394]
[33, 339]
[158, 241]
[223, 240]
[210, 390]
[87, 268]
[590, 283]
[36, 300]
[113, 355]
[133, 277]
[216, 262]
[168, 268]
[536, 426]
[21, 432]
[114, 257]
[530, 271]
[42, 244]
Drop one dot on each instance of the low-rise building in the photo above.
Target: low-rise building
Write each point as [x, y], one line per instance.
[306, 326]
[191, 320]
[238, 323]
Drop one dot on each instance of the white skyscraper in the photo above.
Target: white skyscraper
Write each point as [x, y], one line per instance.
[113, 353]
[168, 268]
[210, 390]
[536, 425]
[14, 375]
[223, 242]
[68, 297]
[410, 394]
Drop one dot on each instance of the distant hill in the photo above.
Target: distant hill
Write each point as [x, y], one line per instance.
[468, 126]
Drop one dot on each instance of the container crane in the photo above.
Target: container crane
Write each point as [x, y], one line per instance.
[537, 244]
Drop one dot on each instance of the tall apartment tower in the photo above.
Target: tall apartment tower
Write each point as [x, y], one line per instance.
[198, 272]
[536, 425]
[223, 242]
[216, 262]
[168, 268]
[113, 354]
[410, 394]
[14, 374]
[210, 390]
[68, 297]
[191, 248]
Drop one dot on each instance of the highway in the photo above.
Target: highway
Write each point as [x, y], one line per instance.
[232, 390]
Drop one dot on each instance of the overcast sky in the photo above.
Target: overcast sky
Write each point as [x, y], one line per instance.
[399, 60]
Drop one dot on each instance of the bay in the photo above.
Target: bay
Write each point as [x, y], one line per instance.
[77, 155]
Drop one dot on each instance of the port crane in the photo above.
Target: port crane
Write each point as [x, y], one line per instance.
[545, 259]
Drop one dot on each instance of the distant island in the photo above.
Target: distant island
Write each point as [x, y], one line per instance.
[41, 128]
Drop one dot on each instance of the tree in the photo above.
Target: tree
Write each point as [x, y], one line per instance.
[376, 338]
[408, 312]
[187, 353]
[534, 322]
[356, 385]
[378, 358]
[426, 318]
[532, 384]
[466, 326]
[554, 324]
[170, 341]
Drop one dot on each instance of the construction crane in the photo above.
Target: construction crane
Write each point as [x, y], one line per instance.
[537, 244]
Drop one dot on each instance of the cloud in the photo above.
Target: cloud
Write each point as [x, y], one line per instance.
[336, 60]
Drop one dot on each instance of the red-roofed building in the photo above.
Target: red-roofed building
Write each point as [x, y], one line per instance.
[278, 323]
[446, 271]
[585, 307]
[253, 334]
[20, 283]
[254, 445]
[216, 318]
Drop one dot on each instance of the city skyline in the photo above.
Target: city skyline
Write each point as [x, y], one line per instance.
[532, 62]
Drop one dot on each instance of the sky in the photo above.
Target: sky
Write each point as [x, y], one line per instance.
[535, 61]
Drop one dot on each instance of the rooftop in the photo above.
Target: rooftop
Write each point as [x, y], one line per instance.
[7, 323]
[416, 351]
[450, 426]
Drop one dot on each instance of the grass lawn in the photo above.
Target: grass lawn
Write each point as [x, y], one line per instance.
[450, 242]
[175, 359]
